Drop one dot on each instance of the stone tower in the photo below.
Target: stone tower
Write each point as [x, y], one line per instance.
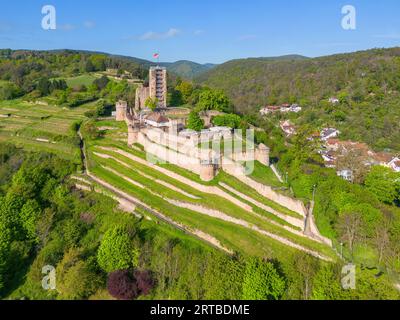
[207, 171]
[158, 85]
[173, 127]
[207, 167]
[121, 110]
[133, 133]
[262, 154]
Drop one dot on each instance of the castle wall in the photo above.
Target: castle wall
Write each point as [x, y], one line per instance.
[191, 158]
[121, 110]
[268, 192]
[160, 151]
[142, 93]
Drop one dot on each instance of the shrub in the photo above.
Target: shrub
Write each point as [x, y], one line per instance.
[122, 285]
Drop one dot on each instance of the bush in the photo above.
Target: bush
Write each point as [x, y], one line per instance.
[262, 281]
[195, 122]
[122, 285]
[144, 281]
[227, 120]
[116, 251]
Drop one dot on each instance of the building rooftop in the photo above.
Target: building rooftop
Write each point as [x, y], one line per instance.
[157, 117]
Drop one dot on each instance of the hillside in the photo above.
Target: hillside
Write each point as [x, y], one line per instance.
[188, 69]
[364, 81]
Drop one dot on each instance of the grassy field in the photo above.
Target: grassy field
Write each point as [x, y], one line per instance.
[83, 80]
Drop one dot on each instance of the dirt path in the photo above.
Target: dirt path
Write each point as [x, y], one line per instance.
[222, 216]
[165, 184]
[293, 221]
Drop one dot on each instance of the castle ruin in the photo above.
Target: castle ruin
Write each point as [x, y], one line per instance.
[157, 89]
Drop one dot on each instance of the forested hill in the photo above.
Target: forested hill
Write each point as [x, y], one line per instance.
[76, 60]
[252, 83]
[188, 69]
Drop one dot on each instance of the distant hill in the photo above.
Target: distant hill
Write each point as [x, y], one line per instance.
[289, 57]
[187, 69]
[183, 68]
[367, 83]
[254, 82]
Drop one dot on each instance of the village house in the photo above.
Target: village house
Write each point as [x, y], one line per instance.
[284, 108]
[334, 148]
[334, 100]
[157, 120]
[328, 133]
[288, 128]
[346, 175]
[269, 109]
[395, 164]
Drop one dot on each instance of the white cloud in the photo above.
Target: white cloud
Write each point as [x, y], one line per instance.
[160, 35]
[89, 24]
[198, 32]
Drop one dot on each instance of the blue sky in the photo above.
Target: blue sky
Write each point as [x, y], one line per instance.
[201, 30]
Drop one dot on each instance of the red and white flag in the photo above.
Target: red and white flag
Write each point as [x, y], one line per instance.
[156, 56]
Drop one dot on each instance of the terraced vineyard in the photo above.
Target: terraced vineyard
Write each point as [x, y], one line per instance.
[222, 212]
[41, 126]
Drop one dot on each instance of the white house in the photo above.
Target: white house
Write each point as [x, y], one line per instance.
[295, 108]
[346, 175]
[395, 164]
[334, 100]
[157, 120]
[329, 133]
[288, 127]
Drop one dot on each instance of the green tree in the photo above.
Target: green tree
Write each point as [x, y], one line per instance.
[306, 266]
[101, 83]
[227, 120]
[262, 281]
[75, 278]
[371, 284]
[213, 100]
[44, 86]
[151, 103]
[326, 285]
[116, 251]
[195, 122]
[5, 243]
[384, 183]
[29, 216]
[186, 89]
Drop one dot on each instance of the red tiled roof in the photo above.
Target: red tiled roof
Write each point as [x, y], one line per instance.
[333, 141]
[157, 117]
